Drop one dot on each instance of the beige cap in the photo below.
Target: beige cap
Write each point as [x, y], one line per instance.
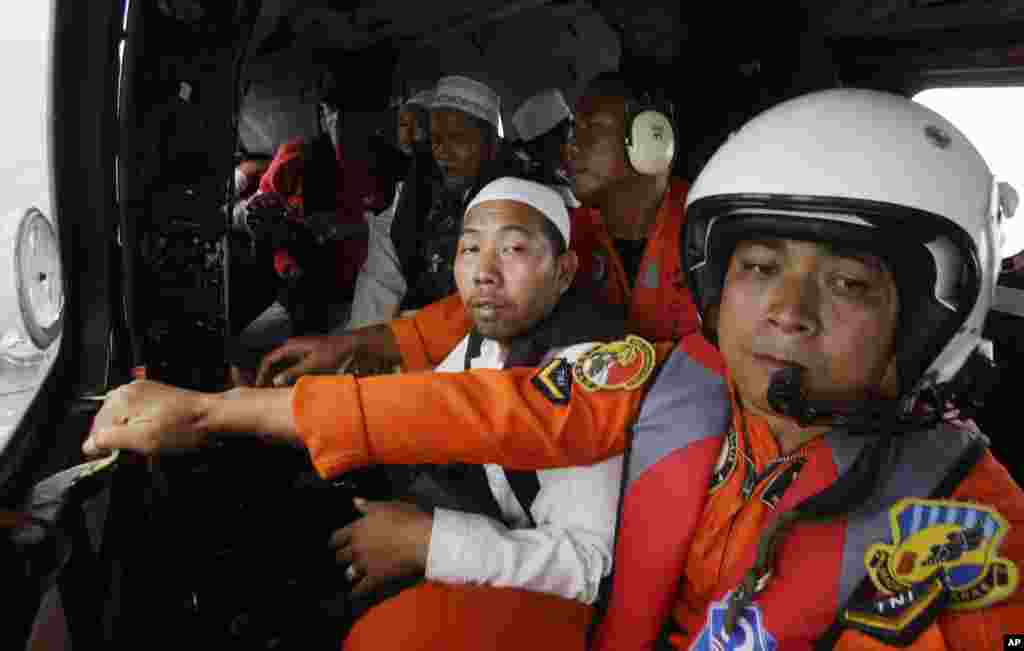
[469, 96]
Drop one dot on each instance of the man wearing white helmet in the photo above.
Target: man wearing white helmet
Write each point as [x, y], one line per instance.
[547, 532]
[842, 251]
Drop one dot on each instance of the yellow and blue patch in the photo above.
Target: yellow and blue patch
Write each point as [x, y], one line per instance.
[959, 538]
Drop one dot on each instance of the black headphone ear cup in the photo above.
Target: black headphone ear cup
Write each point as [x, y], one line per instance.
[651, 142]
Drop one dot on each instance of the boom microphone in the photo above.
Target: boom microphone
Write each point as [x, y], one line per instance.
[786, 395]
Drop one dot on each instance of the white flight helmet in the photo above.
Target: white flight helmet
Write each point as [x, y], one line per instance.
[870, 170]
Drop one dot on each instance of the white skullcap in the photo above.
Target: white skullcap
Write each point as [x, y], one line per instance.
[538, 196]
[469, 96]
[540, 114]
[422, 99]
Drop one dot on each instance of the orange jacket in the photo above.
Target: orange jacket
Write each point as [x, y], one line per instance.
[347, 422]
[513, 417]
[660, 306]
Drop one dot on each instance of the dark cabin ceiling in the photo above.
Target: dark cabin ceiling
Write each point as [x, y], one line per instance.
[654, 28]
[771, 49]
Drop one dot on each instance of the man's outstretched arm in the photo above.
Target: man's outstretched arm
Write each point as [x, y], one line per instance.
[521, 418]
[480, 416]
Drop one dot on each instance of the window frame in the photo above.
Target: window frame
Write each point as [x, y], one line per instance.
[82, 142]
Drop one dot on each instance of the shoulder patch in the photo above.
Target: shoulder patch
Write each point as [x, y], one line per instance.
[624, 364]
[959, 538]
[555, 381]
[899, 619]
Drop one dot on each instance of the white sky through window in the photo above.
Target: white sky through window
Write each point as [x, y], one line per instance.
[990, 117]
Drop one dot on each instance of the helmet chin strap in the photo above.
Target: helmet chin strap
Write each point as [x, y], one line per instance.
[966, 392]
[786, 396]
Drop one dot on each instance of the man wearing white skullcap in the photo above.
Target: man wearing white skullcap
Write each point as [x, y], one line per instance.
[464, 117]
[469, 96]
[412, 244]
[543, 124]
[545, 532]
[539, 114]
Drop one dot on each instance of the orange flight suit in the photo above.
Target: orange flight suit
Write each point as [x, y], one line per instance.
[505, 417]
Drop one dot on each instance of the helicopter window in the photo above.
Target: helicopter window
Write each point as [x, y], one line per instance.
[989, 117]
[31, 287]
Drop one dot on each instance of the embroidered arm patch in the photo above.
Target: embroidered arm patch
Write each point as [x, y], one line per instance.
[624, 364]
[961, 539]
[555, 381]
[899, 619]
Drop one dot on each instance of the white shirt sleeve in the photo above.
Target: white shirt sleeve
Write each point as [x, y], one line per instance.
[380, 286]
[567, 554]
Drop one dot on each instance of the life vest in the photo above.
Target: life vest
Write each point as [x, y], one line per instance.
[659, 303]
[677, 448]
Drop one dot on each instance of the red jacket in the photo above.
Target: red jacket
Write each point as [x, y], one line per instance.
[356, 193]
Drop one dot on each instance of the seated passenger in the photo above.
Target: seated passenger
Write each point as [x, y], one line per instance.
[413, 244]
[414, 122]
[818, 498]
[548, 531]
[543, 125]
[315, 187]
[391, 154]
[627, 236]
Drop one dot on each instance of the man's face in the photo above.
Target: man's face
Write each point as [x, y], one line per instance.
[832, 312]
[406, 129]
[458, 146]
[506, 271]
[597, 152]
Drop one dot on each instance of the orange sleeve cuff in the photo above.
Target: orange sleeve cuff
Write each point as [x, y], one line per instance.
[329, 420]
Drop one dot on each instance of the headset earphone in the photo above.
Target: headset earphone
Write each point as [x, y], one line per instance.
[650, 135]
